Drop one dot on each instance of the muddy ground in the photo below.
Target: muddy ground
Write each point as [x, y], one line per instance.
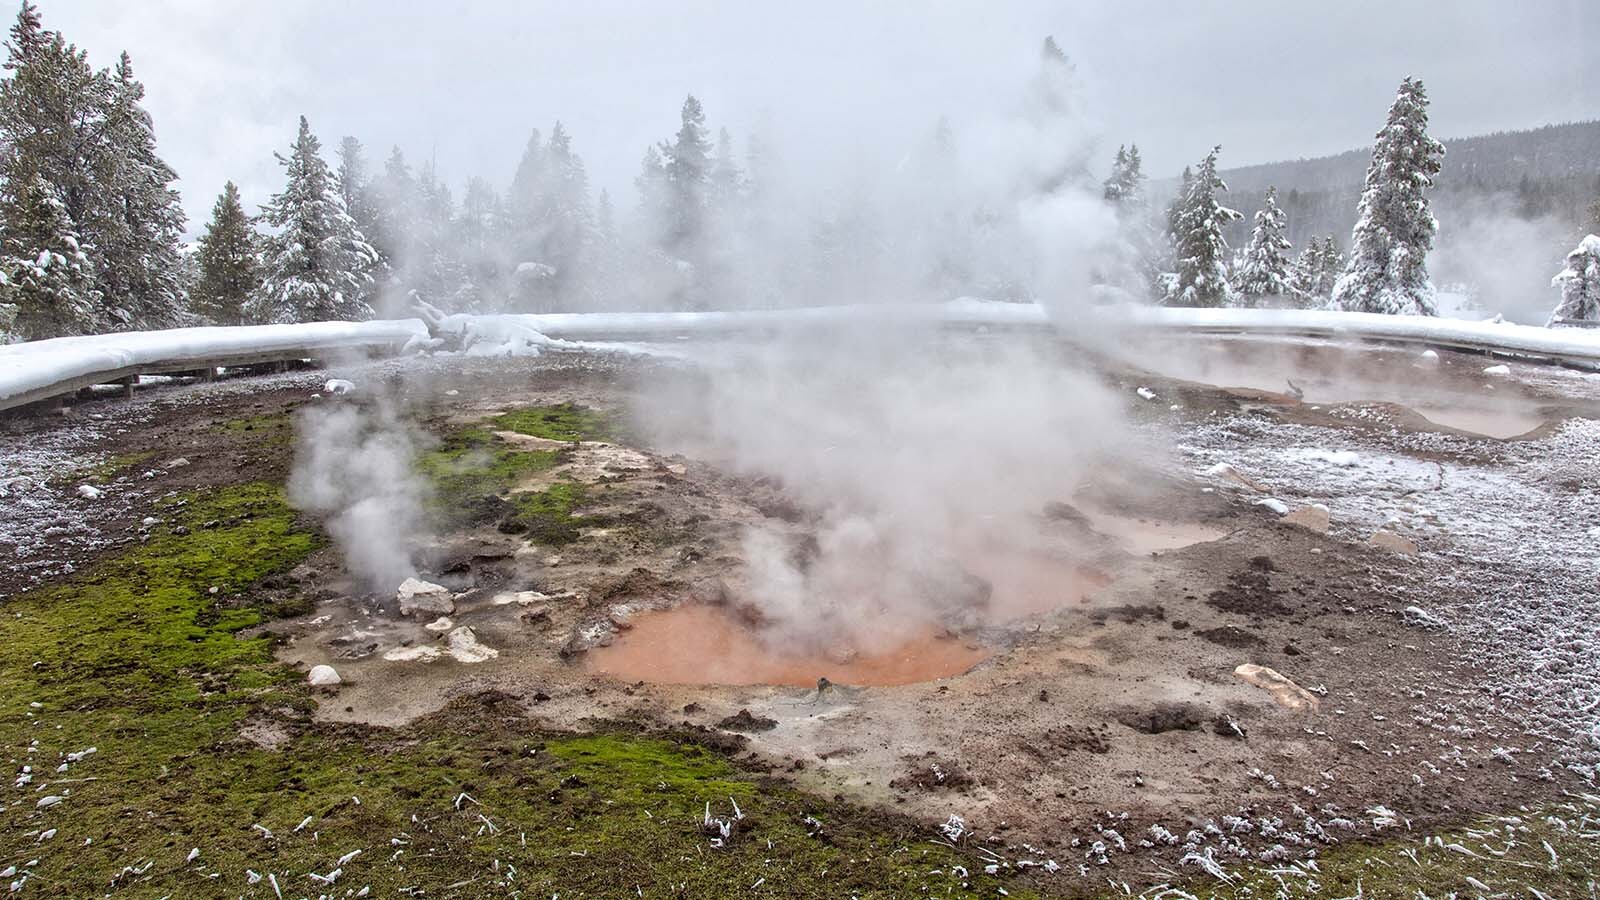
[1096, 720]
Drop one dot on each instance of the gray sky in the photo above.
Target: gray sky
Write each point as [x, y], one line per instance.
[1267, 79]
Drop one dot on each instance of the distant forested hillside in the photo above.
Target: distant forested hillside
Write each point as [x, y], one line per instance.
[1550, 173]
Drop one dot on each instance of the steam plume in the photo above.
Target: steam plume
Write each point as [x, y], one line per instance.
[353, 466]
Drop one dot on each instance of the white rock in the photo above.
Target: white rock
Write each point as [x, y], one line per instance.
[464, 647]
[418, 596]
[413, 654]
[52, 800]
[440, 625]
[1430, 356]
[339, 386]
[1146, 393]
[178, 463]
[524, 598]
[322, 676]
[1500, 371]
[89, 492]
[1274, 504]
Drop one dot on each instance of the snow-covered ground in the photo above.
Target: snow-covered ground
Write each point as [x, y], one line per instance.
[1507, 532]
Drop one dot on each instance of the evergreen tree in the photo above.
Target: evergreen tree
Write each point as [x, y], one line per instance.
[431, 265]
[478, 241]
[1265, 274]
[46, 280]
[1124, 189]
[318, 265]
[1388, 271]
[1580, 284]
[228, 257]
[1307, 272]
[358, 190]
[651, 183]
[135, 218]
[86, 136]
[1201, 250]
[52, 117]
[568, 220]
[527, 186]
[727, 181]
[394, 209]
[687, 167]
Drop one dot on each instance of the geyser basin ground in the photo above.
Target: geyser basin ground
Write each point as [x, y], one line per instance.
[1093, 720]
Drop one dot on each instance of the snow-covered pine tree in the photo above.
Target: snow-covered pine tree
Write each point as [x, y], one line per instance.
[229, 262]
[134, 220]
[48, 282]
[318, 264]
[360, 201]
[1388, 267]
[1265, 276]
[1330, 265]
[1580, 284]
[52, 107]
[1202, 251]
[1124, 188]
[353, 183]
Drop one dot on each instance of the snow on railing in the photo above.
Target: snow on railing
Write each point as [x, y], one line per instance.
[42, 369]
[37, 370]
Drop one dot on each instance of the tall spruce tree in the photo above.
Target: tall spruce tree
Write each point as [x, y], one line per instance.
[52, 111]
[1388, 268]
[87, 137]
[48, 282]
[135, 220]
[1200, 248]
[478, 241]
[318, 265]
[1265, 276]
[687, 167]
[1580, 284]
[726, 180]
[1124, 188]
[229, 260]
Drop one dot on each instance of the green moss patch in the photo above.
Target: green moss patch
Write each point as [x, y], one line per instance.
[562, 422]
[471, 467]
[546, 516]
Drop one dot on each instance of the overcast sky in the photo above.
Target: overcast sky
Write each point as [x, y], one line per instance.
[1267, 79]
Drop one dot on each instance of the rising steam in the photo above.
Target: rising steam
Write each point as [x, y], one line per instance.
[925, 460]
[354, 468]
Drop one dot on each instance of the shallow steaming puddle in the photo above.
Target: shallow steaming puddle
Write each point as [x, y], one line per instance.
[1496, 423]
[702, 645]
[1142, 537]
[1027, 584]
